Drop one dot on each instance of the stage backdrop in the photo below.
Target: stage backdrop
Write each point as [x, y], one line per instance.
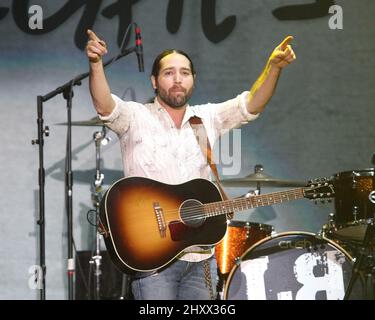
[320, 121]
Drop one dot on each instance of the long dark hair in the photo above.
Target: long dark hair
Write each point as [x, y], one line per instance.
[156, 66]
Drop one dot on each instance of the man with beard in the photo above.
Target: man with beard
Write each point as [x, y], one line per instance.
[157, 142]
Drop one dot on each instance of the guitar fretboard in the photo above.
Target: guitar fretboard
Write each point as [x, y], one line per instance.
[241, 204]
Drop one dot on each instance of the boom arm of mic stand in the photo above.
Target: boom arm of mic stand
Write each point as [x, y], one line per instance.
[77, 80]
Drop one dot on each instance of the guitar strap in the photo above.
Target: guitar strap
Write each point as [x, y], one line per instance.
[202, 138]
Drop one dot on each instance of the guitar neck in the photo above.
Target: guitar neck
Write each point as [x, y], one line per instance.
[241, 204]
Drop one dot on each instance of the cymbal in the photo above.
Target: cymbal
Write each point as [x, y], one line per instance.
[263, 179]
[93, 122]
[88, 176]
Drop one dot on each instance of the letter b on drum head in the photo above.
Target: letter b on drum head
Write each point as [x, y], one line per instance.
[308, 268]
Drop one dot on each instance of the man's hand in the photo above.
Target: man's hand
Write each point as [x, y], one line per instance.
[95, 47]
[283, 54]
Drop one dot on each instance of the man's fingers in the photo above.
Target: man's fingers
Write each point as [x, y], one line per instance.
[291, 56]
[95, 49]
[283, 55]
[288, 50]
[97, 46]
[286, 42]
[93, 56]
[92, 35]
[280, 55]
[94, 41]
[289, 60]
[102, 43]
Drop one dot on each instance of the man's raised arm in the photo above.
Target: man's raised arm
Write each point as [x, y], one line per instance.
[99, 88]
[263, 89]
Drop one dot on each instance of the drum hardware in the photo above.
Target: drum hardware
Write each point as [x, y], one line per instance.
[331, 221]
[354, 203]
[355, 214]
[251, 193]
[237, 261]
[100, 139]
[329, 229]
[353, 224]
[86, 175]
[364, 264]
[371, 196]
[354, 182]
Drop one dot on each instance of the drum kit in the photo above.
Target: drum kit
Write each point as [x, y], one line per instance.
[255, 263]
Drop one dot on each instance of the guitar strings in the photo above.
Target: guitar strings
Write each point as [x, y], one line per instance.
[264, 199]
[197, 212]
[220, 204]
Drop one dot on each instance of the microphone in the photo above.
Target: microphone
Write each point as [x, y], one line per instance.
[139, 48]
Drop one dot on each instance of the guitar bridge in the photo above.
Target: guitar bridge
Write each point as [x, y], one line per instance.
[160, 219]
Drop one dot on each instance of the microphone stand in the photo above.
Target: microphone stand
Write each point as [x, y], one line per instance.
[67, 91]
[99, 138]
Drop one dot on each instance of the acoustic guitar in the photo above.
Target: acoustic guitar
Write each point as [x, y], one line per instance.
[147, 224]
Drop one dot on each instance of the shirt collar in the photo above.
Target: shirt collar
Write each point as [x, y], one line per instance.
[189, 113]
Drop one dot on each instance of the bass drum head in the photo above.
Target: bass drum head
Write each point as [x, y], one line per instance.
[291, 266]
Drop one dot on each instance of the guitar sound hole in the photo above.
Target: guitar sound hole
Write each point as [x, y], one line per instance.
[192, 213]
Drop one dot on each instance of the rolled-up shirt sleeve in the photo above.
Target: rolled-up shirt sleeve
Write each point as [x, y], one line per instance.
[120, 118]
[231, 114]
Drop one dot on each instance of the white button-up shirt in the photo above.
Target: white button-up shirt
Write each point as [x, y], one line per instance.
[154, 148]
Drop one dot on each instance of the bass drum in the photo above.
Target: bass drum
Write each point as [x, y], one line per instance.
[291, 266]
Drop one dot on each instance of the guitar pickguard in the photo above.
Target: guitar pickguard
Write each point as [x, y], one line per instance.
[181, 232]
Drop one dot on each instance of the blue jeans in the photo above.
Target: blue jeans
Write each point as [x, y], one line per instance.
[182, 280]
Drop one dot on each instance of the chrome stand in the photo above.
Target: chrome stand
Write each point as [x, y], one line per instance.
[96, 260]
